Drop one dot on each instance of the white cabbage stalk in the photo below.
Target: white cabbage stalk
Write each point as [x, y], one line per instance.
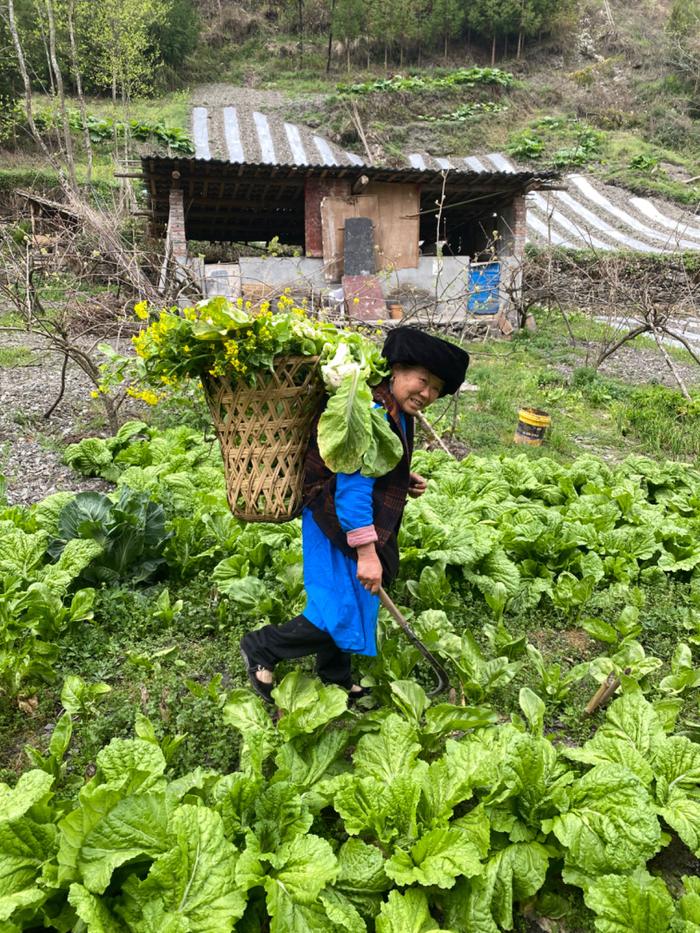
[340, 367]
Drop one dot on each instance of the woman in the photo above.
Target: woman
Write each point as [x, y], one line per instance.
[350, 525]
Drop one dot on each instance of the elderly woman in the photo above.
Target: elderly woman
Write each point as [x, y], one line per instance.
[350, 525]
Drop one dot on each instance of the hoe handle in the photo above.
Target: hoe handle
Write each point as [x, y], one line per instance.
[441, 678]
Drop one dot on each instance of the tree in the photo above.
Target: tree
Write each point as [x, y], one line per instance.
[118, 44]
[446, 21]
[176, 35]
[348, 23]
[683, 32]
[493, 19]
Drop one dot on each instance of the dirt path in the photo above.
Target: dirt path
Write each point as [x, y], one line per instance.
[30, 444]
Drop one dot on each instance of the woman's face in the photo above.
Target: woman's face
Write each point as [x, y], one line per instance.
[414, 387]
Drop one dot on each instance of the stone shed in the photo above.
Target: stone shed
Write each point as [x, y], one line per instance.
[434, 238]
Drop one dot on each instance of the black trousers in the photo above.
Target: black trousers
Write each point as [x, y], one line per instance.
[297, 639]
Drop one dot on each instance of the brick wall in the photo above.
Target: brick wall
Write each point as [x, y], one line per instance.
[175, 258]
[176, 227]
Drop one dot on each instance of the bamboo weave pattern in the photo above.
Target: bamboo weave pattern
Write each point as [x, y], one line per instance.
[264, 431]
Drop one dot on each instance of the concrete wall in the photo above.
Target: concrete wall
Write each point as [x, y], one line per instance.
[278, 273]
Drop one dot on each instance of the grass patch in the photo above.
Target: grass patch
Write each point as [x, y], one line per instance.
[16, 356]
[590, 412]
[642, 168]
[172, 109]
[665, 423]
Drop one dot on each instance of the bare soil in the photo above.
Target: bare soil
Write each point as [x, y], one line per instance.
[31, 444]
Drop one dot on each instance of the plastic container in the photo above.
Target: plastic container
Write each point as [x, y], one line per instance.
[532, 425]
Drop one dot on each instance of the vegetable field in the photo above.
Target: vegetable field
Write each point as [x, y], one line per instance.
[159, 794]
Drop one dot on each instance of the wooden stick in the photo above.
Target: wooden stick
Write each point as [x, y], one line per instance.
[603, 693]
[430, 430]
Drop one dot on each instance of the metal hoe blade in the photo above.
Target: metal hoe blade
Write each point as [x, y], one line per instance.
[441, 678]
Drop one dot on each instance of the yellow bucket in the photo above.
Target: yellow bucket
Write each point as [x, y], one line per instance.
[532, 424]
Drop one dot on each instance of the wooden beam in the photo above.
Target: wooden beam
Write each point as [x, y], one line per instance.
[128, 175]
[359, 184]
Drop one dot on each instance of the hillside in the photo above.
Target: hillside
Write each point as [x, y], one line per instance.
[604, 91]
[601, 94]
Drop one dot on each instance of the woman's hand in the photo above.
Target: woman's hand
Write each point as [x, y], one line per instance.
[417, 485]
[369, 567]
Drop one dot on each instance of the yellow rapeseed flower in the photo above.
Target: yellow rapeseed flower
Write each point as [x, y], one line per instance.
[141, 310]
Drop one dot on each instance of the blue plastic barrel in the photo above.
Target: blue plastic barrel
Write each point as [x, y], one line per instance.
[484, 282]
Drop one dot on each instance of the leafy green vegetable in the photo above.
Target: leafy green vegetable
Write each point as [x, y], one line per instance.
[130, 532]
[606, 822]
[637, 903]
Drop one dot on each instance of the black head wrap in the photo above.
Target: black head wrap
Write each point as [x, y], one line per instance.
[416, 348]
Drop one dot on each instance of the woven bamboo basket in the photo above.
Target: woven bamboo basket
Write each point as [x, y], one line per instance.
[264, 431]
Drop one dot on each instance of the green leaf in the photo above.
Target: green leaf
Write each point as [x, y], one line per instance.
[406, 913]
[60, 737]
[438, 858]
[385, 448]
[196, 877]
[25, 901]
[607, 749]
[533, 709]
[246, 712]
[633, 719]
[345, 427]
[136, 826]
[606, 821]
[637, 903]
[304, 762]
[25, 845]
[307, 704]
[90, 456]
[301, 868]
[155, 919]
[75, 557]
[677, 770]
[444, 718]
[445, 786]
[600, 630]
[384, 809]
[390, 753]
[361, 869]
[341, 912]
[688, 920]
[218, 316]
[46, 512]
[31, 788]
[511, 875]
[289, 916]
[93, 912]
[280, 816]
[410, 699]
[131, 758]
[76, 694]
[20, 553]
[81, 604]
[86, 516]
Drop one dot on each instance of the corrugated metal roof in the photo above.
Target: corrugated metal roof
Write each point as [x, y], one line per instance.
[236, 135]
[227, 200]
[232, 134]
[279, 173]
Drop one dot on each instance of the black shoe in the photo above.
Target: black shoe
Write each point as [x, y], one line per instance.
[263, 690]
